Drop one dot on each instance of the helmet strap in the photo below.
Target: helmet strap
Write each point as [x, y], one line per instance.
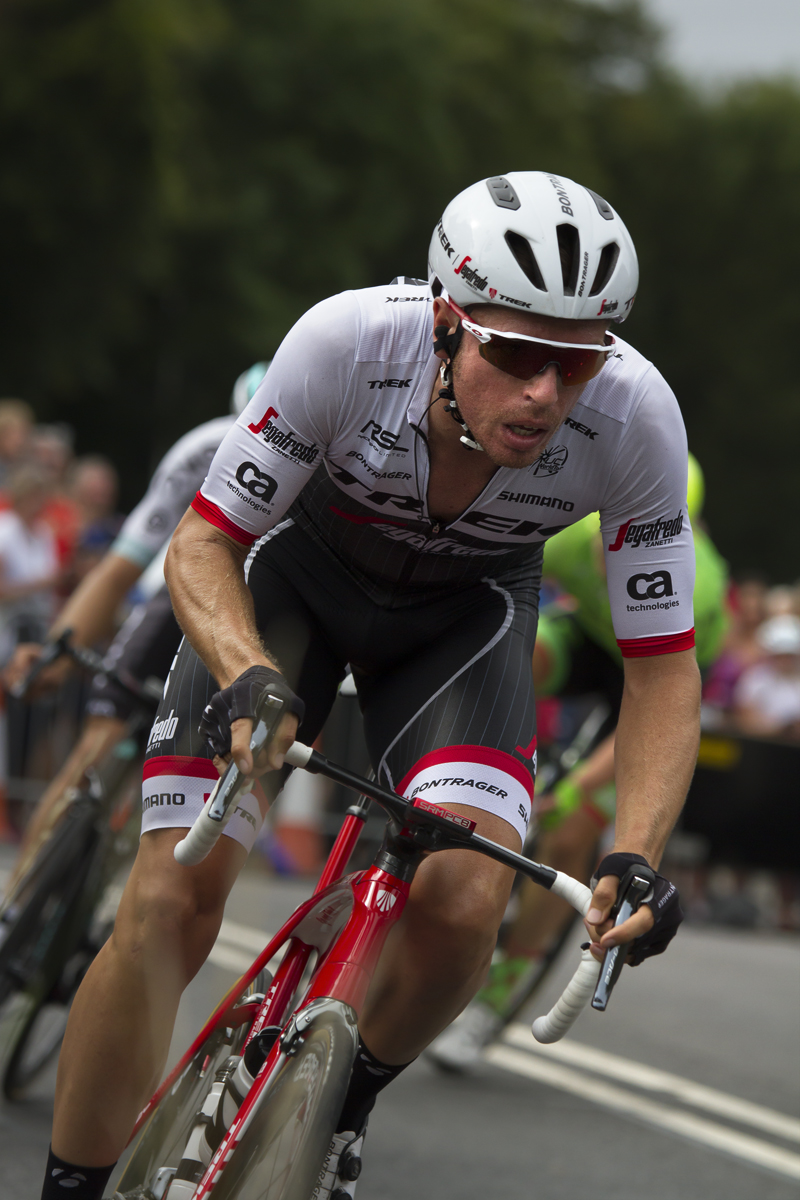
[446, 393]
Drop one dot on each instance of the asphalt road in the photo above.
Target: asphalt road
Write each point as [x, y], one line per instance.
[615, 1112]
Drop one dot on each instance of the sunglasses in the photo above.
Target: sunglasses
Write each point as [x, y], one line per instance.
[523, 357]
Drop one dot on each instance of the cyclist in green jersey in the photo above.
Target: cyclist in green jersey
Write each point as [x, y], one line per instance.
[576, 653]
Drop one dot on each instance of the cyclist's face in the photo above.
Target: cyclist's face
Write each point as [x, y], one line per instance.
[515, 419]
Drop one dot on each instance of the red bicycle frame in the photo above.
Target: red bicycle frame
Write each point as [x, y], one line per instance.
[346, 921]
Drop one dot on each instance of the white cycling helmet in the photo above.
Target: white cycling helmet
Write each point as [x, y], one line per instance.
[246, 386]
[538, 243]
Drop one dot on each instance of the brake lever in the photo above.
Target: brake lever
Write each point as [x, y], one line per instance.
[637, 882]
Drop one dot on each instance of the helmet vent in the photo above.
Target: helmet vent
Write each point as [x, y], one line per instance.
[502, 192]
[520, 247]
[608, 261]
[569, 247]
[603, 207]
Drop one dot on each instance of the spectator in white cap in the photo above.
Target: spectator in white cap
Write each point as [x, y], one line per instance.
[767, 696]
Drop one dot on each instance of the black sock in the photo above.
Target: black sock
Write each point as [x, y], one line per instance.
[65, 1181]
[369, 1077]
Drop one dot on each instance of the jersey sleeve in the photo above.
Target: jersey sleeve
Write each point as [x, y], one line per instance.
[281, 437]
[647, 537]
[170, 492]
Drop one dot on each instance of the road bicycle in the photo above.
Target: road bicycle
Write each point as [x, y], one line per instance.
[250, 1108]
[52, 921]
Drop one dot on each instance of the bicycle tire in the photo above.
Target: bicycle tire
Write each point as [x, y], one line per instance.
[281, 1150]
[43, 897]
[164, 1137]
[41, 1032]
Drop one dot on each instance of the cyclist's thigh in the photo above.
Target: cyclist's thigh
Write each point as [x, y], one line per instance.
[179, 773]
[144, 648]
[455, 723]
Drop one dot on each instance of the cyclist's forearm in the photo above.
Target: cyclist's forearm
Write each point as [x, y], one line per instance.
[213, 605]
[90, 610]
[657, 739]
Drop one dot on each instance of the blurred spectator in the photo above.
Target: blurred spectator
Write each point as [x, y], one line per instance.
[782, 600]
[51, 452]
[767, 695]
[16, 423]
[28, 562]
[94, 488]
[741, 647]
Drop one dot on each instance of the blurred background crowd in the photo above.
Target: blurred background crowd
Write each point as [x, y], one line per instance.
[182, 180]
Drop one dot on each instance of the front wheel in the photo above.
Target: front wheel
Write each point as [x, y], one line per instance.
[163, 1139]
[281, 1150]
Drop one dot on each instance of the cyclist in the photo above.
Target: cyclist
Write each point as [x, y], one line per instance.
[147, 641]
[575, 654]
[454, 443]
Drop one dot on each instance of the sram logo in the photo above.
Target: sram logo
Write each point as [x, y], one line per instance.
[255, 481]
[650, 587]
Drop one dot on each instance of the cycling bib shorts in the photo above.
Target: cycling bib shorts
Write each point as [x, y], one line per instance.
[444, 683]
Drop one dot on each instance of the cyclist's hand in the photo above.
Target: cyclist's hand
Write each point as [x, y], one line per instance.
[26, 655]
[270, 759]
[600, 926]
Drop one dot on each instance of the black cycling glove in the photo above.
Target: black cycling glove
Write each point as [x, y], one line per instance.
[663, 902]
[239, 700]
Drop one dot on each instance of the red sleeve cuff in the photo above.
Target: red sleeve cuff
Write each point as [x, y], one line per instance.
[215, 516]
[646, 647]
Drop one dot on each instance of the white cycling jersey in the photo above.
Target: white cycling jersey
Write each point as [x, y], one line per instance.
[350, 387]
[170, 492]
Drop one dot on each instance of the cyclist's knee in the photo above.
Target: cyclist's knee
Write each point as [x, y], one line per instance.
[166, 906]
[459, 910]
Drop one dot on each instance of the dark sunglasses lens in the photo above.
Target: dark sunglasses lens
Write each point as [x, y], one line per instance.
[523, 360]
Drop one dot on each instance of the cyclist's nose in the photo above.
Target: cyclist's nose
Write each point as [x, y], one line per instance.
[543, 388]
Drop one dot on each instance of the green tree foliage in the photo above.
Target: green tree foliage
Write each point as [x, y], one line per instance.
[182, 179]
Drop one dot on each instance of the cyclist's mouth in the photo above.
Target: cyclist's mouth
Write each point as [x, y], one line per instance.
[524, 436]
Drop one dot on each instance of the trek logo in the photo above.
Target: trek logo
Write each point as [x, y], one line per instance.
[534, 498]
[385, 900]
[409, 504]
[160, 799]
[550, 461]
[563, 198]
[163, 731]
[511, 300]
[653, 533]
[495, 524]
[283, 441]
[384, 439]
[380, 384]
[657, 585]
[408, 299]
[443, 238]
[584, 429]
[471, 275]
[258, 483]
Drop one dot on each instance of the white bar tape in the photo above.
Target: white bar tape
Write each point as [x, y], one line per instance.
[298, 755]
[571, 1003]
[203, 835]
[576, 894]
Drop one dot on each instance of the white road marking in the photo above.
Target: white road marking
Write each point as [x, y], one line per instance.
[697, 1129]
[651, 1079]
[233, 944]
